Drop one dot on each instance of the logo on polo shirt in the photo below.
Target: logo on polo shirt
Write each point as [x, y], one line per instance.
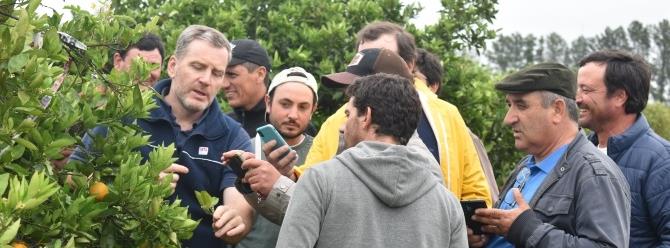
[203, 151]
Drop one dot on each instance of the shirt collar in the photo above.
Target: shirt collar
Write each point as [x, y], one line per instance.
[548, 163]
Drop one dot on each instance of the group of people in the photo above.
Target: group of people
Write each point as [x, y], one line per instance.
[389, 167]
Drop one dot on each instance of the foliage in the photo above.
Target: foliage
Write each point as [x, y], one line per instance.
[483, 109]
[658, 116]
[316, 35]
[652, 42]
[320, 36]
[39, 121]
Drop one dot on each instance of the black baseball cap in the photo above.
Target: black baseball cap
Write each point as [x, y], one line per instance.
[368, 62]
[552, 77]
[246, 50]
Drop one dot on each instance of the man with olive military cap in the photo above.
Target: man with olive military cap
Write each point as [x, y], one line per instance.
[565, 193]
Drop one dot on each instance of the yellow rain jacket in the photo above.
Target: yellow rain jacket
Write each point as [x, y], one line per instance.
[460, 165]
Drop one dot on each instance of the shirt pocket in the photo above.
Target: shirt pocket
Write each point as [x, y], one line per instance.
[554, 204]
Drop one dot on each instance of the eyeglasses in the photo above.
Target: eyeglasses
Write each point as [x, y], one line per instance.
[520, 181]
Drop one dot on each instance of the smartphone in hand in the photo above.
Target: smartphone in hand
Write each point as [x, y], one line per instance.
[235, 164]
[268, 132]
[469, 207]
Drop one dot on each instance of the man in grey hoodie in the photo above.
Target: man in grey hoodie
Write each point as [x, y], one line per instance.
[377, 193]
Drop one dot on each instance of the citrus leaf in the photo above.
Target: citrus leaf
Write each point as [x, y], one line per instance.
[9, 234]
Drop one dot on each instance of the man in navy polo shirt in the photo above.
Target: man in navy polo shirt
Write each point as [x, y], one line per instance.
[189, 117]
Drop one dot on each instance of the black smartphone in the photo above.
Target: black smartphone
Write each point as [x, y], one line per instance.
[235, 163]
[469, 207]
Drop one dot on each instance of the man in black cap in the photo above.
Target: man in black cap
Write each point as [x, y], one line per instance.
[246, 81]
[565, 193]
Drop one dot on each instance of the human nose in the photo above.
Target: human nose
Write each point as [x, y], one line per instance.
[510, 118]
[206, 77]
[579, 96]
[155, 75]
[293, 113]
[226, 82]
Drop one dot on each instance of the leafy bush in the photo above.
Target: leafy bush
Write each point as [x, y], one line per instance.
[658, 115]
[110, 201]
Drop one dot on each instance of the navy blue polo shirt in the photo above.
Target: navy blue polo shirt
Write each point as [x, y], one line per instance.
[199, 150]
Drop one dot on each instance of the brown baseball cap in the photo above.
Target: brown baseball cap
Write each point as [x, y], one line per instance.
[368, 62]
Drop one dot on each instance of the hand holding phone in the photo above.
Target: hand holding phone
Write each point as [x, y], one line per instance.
[235, 163]
[469, 207]
[268, 132]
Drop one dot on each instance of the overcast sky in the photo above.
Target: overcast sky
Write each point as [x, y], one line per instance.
[569, 18]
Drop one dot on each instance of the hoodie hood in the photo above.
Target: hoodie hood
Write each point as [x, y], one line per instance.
[398, 175]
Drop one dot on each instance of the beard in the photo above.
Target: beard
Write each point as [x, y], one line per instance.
[287, 134]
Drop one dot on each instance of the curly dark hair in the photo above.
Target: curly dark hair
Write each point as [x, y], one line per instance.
[624, 71]
[394, 103]
[148, 42]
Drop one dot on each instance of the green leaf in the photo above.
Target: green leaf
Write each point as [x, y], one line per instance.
[63, 142]
[26, 143]
[137, 97]
[16, 63]
[27, 123]
[4, 180]
[32, 6]
[9, 234]
[206, 201]
[17, 152]
[23, 97]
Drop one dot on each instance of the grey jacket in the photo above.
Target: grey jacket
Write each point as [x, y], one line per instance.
[373, 195]
[583, 202]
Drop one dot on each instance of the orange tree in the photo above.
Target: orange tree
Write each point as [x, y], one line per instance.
[320, 36]
[48, 99]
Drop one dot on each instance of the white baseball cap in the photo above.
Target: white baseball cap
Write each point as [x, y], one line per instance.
[296, 75]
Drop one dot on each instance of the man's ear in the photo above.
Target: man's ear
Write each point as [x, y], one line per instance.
[268, 104]
[620, 97]
[261, 72]
[118, 61]
[560, 109]
[172, 66]
[366, 118]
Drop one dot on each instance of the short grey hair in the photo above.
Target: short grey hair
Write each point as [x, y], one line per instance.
[204, 33]
[550, 97]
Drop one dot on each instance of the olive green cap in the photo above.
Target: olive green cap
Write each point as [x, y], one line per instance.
[552, 77]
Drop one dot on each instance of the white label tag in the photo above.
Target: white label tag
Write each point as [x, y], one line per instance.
[357, 59]
[203, 150]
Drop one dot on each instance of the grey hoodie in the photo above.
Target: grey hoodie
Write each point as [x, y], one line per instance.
[373, 195]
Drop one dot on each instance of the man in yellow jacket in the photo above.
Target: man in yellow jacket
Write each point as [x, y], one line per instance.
[450, 141]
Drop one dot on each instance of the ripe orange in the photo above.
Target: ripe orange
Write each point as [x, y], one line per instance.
[98, 190]
[19, 244]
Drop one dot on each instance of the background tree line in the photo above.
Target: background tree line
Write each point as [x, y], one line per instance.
[651, 41]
